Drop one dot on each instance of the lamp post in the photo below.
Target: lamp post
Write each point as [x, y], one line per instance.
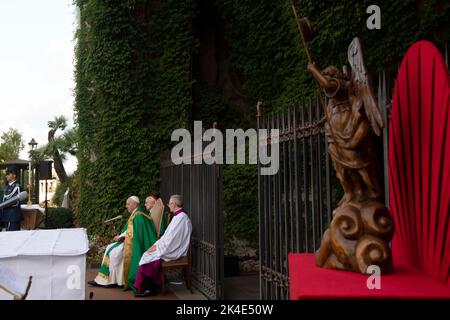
[32, 145]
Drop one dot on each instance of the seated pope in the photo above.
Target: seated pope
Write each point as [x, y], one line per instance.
[121, 259]
[172, 245]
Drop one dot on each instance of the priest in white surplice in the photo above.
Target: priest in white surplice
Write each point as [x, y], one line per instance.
[171, 246]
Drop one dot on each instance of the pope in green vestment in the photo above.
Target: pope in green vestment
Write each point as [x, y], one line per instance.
[140, 235]
[121, 259]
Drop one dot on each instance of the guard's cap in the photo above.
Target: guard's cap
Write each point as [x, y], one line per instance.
[12, 170]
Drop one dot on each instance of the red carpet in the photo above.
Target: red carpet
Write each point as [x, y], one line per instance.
[307, 281]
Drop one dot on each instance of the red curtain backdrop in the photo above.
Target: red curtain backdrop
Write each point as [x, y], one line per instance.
[419, 161]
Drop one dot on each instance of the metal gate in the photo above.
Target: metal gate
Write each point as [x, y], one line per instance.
[295, 205]
[201, 187]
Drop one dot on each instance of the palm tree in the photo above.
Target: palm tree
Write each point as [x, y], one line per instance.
[58, 147]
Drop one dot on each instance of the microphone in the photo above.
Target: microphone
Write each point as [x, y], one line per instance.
[10, 202]
[112, 219]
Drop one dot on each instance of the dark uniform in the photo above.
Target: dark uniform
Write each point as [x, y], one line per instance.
[10, 217]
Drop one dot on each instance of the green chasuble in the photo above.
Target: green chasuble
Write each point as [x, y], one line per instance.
[140, 236]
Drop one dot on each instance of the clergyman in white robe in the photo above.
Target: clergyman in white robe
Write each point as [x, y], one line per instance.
[173, 245]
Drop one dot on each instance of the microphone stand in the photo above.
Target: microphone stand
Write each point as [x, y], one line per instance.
[46, 205]
[45, 220]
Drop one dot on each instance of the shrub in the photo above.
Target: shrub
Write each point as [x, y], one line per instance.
[59, 218]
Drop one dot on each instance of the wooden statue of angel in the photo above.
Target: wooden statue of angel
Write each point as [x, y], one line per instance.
[362, 227]
[351, 113]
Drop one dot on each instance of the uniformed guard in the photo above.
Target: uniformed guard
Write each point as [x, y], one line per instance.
[12, 215]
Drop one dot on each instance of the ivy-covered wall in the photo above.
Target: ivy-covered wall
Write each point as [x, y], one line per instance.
[139, 66]
[265, 45]
[132, 90]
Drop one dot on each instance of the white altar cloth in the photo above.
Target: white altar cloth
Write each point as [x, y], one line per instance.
[56, 259]
[32, 207]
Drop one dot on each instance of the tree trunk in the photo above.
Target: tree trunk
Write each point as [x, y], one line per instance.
[59, 167]
[57, 161]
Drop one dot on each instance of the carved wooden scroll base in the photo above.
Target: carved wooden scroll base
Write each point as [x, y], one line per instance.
[358, 236]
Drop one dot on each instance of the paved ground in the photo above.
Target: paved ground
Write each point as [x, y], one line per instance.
[172, 292]
[244, 287]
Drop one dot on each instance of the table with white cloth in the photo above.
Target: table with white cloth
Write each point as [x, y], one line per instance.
[56, 259]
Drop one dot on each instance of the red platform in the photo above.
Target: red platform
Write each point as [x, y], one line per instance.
[307, 281]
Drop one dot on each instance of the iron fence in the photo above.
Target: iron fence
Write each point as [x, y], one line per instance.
[294, 204]
[201, 187]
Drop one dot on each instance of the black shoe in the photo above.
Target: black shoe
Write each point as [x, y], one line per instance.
[108, 286]
[94, 284]
[146, 293]
[120, 287]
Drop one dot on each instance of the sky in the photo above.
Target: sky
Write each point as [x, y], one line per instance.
[36, 67]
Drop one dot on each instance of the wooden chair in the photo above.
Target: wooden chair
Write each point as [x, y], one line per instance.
[181, 263]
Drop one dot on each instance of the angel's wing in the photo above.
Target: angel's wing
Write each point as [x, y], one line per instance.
[363, 89]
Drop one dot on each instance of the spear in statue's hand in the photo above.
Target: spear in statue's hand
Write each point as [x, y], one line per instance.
[305, 29]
